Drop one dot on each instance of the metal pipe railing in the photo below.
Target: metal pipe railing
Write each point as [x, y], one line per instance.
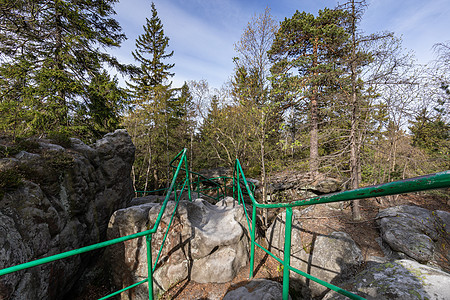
[427, 182]
[433, 181]
[147, 234]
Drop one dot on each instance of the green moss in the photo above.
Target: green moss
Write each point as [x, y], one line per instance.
[10, 180]
[59, 160]
[7, 151]
[20, 144]
[61, 138]
[415, 294]
[28, 145]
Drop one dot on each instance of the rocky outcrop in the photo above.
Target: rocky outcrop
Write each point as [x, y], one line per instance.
[333, 258]
[400, 280]
[206, 243]
[216, 172]
[292, 185]
[415, 232]
[64, 202]
[257, 289]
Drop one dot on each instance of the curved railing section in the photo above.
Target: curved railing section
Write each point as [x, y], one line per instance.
[183, 182]
[433, 181]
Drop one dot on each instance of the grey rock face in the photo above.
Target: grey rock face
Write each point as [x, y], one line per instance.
[257, 289]
[401, 279]
[333, 258]
[414, 230]
[291, 185]
[206, 243]
[64, 204]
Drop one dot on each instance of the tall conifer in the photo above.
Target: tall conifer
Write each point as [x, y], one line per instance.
[307, 55]
[51, 52]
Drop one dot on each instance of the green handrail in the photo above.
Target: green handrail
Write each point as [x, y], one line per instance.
[147, 234]
[432, 181]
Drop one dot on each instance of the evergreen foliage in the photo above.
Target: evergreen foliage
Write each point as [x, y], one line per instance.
[308, 56]
[159, 117]
[51, 53]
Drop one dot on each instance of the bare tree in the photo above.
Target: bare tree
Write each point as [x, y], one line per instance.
[253, 86]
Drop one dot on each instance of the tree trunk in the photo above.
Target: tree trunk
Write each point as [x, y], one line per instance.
[148, 167]
[354, 146]
[263, 168]
[314, 142]
[314, 138]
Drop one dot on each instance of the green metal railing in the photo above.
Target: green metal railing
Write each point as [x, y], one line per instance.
[433, 181]
[212, 188]
[147, 234]
[240, 188]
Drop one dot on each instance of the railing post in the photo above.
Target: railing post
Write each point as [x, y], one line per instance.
[188, 180]
[198, 186]
[225, 186]
[252, 238]
[287, 252]
[234, 184]
[238, 183]
[149, 266]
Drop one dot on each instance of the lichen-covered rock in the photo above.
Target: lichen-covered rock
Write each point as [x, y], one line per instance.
[332, 258]
[206, 243]
[400, 280]
[414, 231]
[293, 185]
[257, 289]
[64, 203]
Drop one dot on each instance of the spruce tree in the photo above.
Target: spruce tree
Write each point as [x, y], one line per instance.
[151, 51]
[57, 46]
[154, 98]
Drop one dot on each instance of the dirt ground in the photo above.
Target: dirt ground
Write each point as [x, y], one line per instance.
[320, 219]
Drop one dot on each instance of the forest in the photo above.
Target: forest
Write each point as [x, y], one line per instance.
[311, 93]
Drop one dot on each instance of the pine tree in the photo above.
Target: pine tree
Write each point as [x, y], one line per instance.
[307, 55]
[57, 45]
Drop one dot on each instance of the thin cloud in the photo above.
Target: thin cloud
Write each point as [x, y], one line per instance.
[203, 32]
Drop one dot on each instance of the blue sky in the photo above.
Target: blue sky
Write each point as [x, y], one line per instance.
[203, 32]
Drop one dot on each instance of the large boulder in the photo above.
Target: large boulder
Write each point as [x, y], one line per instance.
[206, 243]
[257, 289]
[333, 258]
[400, 280]
[293, 185]
[415, 231]
[64, 202]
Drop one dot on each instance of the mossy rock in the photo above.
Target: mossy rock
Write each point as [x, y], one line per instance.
[10, 180]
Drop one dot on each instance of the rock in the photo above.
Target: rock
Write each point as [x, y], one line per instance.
[326, 185]
[414, 230]
[206, 243]
[255, 182]
[333, 258]
[65, 202]
[401, 280]
[216, 172]
[293, 185]
[146, 199]
[257, 289]
[276, 232]
[305, 181]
